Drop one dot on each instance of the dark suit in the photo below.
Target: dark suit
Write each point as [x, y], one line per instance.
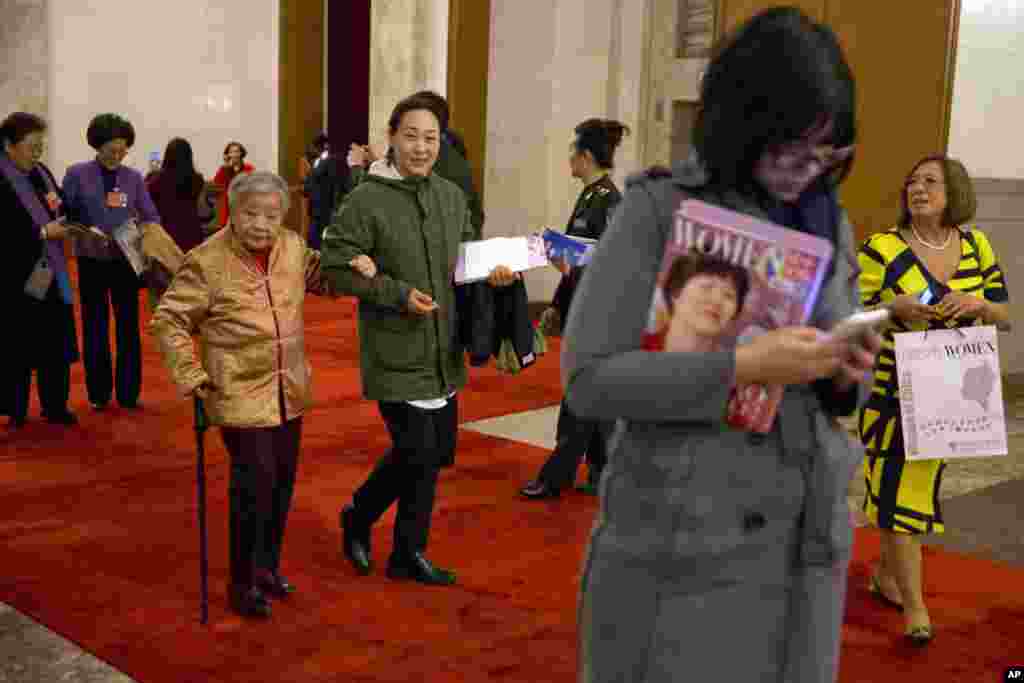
[48, 343]
[326, 185]
[576, 437]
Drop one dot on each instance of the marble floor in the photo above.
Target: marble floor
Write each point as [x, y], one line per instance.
[984, 496]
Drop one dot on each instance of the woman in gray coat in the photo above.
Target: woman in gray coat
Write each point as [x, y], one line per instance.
[720, 554]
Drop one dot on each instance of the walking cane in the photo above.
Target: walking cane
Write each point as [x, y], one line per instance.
[200, 424]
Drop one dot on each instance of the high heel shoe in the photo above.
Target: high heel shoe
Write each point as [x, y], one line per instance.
[875, 587]
[919, 636]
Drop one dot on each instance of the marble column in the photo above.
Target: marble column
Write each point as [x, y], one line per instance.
[554, 65]
[409, 51]
[25, 54]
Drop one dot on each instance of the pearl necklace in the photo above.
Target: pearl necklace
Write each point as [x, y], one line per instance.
[930, 245]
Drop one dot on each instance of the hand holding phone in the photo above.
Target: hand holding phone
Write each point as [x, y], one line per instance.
[853, 326]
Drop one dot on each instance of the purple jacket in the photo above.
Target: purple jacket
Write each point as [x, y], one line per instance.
[85, 203]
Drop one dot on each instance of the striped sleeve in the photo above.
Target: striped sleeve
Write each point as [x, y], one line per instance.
[991, 273]
[872, 274]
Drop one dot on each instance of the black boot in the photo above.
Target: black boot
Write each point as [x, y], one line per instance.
[273, 584]
[249, 601]
[416, 567]
[355, 541]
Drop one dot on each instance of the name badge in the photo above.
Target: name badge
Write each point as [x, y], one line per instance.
[117, 200]
[39, 280]
[53, 201]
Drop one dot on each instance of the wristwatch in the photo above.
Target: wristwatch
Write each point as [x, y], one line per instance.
[42, 233]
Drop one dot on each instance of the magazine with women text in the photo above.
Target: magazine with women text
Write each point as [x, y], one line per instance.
[727, 277]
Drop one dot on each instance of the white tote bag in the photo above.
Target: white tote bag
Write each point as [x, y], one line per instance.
[951, 393]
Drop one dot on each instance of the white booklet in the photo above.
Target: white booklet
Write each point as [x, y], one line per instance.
[478, 259]
[951, 393]
[128, 238]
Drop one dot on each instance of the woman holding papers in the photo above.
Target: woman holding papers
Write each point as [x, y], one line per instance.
[35, 279]
[931, 271]
[591, 159]
[394, 245]
[721, 554]
[104, 193]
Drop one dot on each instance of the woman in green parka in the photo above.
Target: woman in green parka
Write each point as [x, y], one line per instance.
[393, 245]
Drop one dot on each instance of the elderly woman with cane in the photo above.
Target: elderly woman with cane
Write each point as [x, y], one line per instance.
[242, 292]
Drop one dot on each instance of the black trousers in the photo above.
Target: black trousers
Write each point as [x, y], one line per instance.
[53, 386]
[316, 229]
[263, 466]
[575, 438]
[100, 285]
[423, 441]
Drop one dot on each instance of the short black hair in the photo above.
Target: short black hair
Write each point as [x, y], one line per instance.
[416, 102]
[241, 148]
[600, 137]
[696, 262]
[321, 140]
[20, 125]
[106, 127]
[438, 105]
[775, 78]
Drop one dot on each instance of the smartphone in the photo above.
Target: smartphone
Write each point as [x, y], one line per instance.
[857, 324]
[926, 297]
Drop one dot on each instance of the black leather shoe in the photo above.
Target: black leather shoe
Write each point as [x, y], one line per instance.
[137, 405]
[274, 585]
[415, 567]
[63, 418]
[99, 407]
[16, 422]
[355, 542]
[249, 602]
[536, 490]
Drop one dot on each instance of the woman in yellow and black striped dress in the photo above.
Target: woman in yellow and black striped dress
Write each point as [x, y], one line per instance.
[932, 274]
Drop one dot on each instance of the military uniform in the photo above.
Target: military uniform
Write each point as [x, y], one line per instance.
[576, 437]
[589, 219]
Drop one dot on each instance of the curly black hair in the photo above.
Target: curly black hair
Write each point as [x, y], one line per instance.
[20, 125]
[106, 127]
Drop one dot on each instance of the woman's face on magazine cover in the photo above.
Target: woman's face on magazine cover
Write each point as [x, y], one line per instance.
[705, 305]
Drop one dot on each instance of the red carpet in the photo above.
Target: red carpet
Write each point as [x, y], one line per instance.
[99, 543]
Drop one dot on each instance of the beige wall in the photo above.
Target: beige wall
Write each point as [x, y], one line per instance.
[25, 54]
[1001, 217]
[988, 105]
[409, 45]
[553, 65]
[220, 82]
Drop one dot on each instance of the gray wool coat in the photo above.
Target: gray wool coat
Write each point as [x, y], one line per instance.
[717, 555]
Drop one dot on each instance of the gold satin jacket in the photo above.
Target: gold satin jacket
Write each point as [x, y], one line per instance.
[249, 325]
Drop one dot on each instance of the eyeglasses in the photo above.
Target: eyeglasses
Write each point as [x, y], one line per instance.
[797, 156]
